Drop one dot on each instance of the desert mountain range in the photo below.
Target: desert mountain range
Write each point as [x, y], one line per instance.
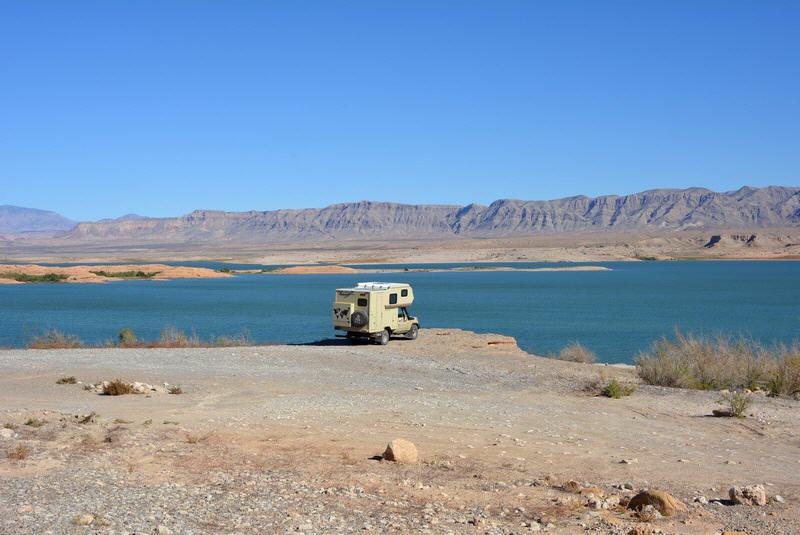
[661, 209]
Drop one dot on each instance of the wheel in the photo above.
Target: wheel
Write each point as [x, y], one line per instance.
[384, 338]
[412, 334]
[358, 319]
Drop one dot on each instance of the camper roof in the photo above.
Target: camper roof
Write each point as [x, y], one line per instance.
[367, 286]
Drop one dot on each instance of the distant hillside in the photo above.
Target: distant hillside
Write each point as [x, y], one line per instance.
[693, 208]
[15, 220]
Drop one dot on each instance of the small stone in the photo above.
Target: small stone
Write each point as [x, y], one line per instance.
[629, 461]
[748, 495]
[25, 509]
[402, 451]
[84, 519]
[778, 498]
[163, 530]
[701, 500]
[7, 433]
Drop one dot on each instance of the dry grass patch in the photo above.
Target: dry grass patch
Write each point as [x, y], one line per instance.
[175, 390]
[71, 380]
[117, 387]
[54, 339]
[721, 363]
[18, 453]
[9, 425]
[575, 352]
[35, 422]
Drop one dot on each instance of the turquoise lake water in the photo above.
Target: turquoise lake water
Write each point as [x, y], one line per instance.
[614, 313]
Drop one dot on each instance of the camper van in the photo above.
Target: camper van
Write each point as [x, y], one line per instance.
[375, 311]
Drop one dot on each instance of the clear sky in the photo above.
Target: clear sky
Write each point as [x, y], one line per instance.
[162, 107]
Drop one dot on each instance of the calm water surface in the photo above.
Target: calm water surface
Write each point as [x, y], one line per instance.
[615, 313]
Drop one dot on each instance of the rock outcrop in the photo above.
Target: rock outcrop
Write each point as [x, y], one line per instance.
[663, 502]
[661, 209]
[749, 495]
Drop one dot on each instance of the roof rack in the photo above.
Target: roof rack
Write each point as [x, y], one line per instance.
[378, 285]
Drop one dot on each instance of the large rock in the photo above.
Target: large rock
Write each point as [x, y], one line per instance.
[749, 495]
[401, 451]
[663, 502]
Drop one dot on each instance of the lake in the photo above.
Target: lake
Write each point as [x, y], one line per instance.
[614, 313]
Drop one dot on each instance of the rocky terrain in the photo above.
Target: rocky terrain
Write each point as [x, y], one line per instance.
[751, 208]
[293, 439]
[658, 224]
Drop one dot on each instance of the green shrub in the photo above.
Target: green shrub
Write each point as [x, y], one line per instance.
[616, 390]
[127, 274]
[22, 277]
[575, 352]
[126, 338]
[736, 401]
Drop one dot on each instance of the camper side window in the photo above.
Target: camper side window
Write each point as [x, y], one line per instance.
[362, 302]
[392, 299]
[404, 293]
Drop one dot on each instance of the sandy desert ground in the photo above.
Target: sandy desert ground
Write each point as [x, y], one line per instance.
[567, 247]
[284, 439]
[99, 274]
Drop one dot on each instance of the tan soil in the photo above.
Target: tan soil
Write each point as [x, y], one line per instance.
[313, 270]
[279, 439]
[84, 273]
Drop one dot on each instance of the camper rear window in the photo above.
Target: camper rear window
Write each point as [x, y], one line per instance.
[404, 293]
[362, 302]
[392, 299]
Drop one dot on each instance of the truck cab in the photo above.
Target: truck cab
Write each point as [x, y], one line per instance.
[375, 311]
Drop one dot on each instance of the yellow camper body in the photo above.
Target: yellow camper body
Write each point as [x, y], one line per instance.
[375, 310]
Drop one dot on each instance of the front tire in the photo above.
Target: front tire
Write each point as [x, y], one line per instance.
[384, 337]
[413, 332]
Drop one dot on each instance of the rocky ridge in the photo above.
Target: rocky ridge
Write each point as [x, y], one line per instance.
[662, 209]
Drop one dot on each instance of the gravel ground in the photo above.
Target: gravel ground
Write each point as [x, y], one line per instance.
[282, 439]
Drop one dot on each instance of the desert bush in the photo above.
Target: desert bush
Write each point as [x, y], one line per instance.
[736, 401]
[54, 339]
[117, 387]
[126, 338]
[241, 339]
[9, 425]
[785, 380]
[575, 352]
[616, 390]
[18, 453]
[714, 363]
[175, 390]
[174, 337]
[35, 422]
[67, 380]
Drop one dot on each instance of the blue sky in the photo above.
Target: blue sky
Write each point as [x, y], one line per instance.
[159, 108]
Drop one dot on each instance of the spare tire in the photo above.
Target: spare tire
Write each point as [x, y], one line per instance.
[358, 319]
